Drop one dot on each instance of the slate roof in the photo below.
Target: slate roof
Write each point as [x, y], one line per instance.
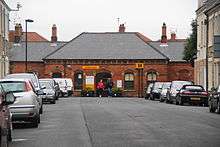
[107, 46]
[31, 37]
[36, 51]
[174, 49]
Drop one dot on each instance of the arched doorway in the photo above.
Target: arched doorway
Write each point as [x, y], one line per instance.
[103, 76]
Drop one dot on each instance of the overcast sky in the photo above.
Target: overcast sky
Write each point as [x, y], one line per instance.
[75, 16]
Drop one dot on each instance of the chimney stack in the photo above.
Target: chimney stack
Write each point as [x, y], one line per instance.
[18, 33]
[164, 34]
[122, 28]
[54, 34]
[173, 36]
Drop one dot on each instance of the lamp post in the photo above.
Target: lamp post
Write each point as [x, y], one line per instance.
[26, 21]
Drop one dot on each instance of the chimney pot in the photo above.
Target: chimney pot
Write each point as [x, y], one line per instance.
[164, 34]
[54, 34]
[18, 33]
[122, 28]
[173, 36]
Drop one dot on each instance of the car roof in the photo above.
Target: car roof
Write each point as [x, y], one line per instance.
[14, 79]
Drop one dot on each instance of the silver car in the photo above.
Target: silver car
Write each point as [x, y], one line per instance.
[35, 81]
[26, 107]
[49, 92]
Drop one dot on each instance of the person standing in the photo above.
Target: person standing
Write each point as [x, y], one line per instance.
[100, 88]
[109, 86]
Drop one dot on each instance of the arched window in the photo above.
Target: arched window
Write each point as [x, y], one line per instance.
[129, 81]
[56, 75]
[151, 76]
[78, 80]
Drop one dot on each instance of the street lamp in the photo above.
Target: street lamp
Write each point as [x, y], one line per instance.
[26, 21]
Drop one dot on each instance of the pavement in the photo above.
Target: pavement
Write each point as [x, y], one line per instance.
[120, 122]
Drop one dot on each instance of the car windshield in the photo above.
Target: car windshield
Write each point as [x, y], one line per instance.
[158, 85]
[23, 76]
[194, 87]
[166, 85]
[179, 84]
[47, 84]
[14, 86]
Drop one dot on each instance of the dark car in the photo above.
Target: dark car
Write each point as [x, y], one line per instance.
[156, 90]
[193, 94]
[174, 89]
[5, 117]
[214, 100]
[148, 90]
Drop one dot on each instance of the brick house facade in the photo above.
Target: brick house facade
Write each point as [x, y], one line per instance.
[108, 55]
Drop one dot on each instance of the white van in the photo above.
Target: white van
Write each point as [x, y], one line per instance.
[69, 83]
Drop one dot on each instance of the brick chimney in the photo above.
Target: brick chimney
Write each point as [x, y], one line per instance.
[18, 33]
[122, 28]
[173, 36]
[54, 34]
[164, 34]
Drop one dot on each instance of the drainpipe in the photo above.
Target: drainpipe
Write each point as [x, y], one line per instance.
[207, 44]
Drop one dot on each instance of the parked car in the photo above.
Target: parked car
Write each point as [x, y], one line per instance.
[6, 98]
[148, 90]
[163, 94]
[55, 86]
[156, 90]
[214, 100]
[69, 83]
[35, 81]
[192, 94]
[26, 107]
[49, 92]
[174, 89]
[63, 85]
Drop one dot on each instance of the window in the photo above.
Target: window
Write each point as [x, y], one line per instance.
[57, 75]
[129, 81]
[78, 80]
[151, 76]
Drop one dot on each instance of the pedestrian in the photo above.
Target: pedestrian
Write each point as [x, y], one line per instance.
[100, 88]
[109, 86]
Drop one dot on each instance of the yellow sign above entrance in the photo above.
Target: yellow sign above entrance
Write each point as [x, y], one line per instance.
[139, 65]
[90, 67]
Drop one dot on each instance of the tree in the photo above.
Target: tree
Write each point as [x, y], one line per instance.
[191, 44]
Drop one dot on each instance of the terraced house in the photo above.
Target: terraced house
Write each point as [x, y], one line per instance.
[130, 59]
[207, 64]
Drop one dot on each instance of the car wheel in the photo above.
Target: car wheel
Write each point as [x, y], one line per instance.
[181, 101]
[53, 102]
[211, 109]
[218, 107]
[9, 135]
[35, 122]
[3, 141]
[41, 110]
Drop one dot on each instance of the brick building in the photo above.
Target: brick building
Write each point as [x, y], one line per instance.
[90, 57]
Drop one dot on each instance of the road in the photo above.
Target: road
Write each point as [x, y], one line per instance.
[120, 122]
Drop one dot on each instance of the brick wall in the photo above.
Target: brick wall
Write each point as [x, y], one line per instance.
[165, 72]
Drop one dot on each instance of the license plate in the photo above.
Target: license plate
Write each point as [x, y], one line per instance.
[195, 98]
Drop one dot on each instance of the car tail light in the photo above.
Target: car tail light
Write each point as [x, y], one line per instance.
[28, 86]
[204, 93]
[186, 92]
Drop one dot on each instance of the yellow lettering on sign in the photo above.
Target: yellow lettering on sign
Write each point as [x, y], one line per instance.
[90, 67]
[139, 65]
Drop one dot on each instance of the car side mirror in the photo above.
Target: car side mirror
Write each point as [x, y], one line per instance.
[9, 98]
[43, 87]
